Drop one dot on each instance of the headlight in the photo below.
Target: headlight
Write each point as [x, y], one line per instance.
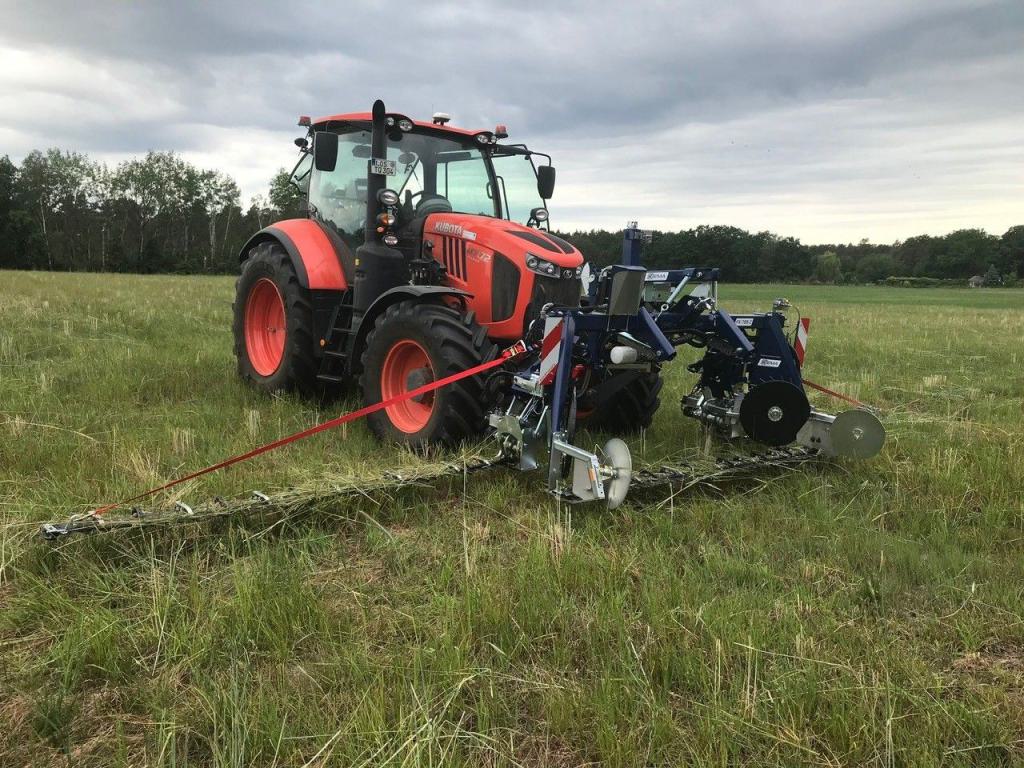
[387, 197]
[390, 121]
[481, 138]
[405, 124]
[549, 269]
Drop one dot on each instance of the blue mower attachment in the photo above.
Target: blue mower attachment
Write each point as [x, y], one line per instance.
[631, 323]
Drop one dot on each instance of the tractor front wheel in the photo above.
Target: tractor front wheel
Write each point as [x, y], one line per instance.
[627, 404]
[415, 343]
[273, 323]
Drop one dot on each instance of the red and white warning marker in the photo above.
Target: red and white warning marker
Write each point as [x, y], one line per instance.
[801, 339]
[550, 348]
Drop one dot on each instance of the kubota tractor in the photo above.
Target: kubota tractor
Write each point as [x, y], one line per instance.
[424, 248]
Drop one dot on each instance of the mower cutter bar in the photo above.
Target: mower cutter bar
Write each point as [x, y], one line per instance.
[683, 475]
[687, 477]
[260, 502]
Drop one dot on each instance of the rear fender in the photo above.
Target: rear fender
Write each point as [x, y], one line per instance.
[393, 296]
[318, 265]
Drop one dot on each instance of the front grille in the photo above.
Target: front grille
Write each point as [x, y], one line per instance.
[551, 290]
[453, 256]
[504, 288]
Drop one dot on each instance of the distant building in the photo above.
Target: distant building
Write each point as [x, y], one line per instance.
[976, 282]
[992, 277]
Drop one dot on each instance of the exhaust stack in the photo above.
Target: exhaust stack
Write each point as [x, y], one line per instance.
[374, 181]
[378, 267]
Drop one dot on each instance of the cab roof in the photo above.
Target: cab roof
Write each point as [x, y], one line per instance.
[366, 117]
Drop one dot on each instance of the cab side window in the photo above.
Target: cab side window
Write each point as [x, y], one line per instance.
[301, 173]
[339, 196]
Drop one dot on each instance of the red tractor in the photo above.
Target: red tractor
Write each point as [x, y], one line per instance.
[424, 249]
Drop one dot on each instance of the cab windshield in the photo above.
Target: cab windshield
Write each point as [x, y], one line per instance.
[428, 169]
[432, 173]
[517, 180]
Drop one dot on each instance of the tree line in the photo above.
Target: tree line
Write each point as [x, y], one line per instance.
[61, 210]
[765, 257]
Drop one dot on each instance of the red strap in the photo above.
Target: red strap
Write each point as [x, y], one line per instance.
[323, 426]
[841, 396]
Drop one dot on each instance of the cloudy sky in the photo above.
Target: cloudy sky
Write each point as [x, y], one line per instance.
[831, 121]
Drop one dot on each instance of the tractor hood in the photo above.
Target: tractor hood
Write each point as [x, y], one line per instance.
[509, 238]
[511, 271]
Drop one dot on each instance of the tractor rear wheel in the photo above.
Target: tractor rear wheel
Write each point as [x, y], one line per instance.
[414, 343]
[273, 322]
[629, 407]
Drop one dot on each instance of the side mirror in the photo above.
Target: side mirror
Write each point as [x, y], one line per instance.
[546, 181]
[325, 150]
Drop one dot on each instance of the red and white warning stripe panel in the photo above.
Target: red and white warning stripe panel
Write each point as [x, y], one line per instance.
[550, 349]
[801, 339]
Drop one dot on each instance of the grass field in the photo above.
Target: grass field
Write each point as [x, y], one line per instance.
[843, 614]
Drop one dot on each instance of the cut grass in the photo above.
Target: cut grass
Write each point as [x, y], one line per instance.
[849, 614]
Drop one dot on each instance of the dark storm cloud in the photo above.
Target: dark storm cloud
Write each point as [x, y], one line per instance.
[688, 106]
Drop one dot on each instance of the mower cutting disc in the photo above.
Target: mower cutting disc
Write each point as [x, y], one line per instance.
[616, 454]
[857, 434]
[773, 412]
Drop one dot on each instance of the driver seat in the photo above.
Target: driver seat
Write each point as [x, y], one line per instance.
[433, 204]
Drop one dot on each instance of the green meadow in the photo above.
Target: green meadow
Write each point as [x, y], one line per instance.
[838, 614]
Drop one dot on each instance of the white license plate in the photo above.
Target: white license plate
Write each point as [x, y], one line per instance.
[656, 277]
[383, 167]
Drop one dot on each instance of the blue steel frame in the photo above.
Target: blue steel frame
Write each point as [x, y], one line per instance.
[592, 329]
[732, 358]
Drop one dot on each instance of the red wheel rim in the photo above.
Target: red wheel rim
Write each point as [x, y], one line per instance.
[407, 367]
[265, 327]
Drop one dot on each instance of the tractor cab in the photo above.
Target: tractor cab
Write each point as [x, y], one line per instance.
[433, 169]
